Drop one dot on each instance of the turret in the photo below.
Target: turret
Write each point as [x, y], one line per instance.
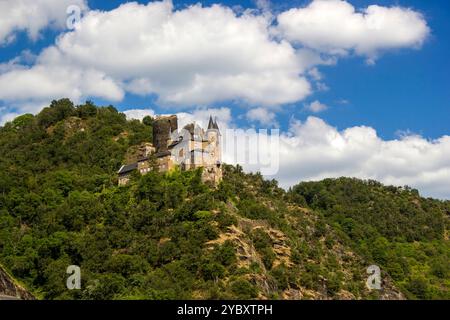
[210, 123]
[213, 136]
[213, 130]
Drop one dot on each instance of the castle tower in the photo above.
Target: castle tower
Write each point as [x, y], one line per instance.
[213, 137]
[163, 127]
[213, 168]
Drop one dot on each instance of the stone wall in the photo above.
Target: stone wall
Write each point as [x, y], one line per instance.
[162, 128]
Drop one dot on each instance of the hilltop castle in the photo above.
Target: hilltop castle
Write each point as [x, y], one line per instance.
[190, 148]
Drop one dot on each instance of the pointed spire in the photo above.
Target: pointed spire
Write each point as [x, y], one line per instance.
[215, 126]
[211, 123]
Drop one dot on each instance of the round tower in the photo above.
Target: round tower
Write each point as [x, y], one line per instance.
[213, 136]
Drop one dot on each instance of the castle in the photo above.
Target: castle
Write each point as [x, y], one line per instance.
[189, 148]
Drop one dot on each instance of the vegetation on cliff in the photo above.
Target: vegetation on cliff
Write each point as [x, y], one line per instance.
[405, 234]
[167, 236]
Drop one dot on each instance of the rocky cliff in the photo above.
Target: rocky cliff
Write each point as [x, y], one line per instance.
[10, 289]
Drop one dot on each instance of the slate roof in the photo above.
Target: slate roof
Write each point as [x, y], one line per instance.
[211, 123]
[128, 168]
[163, 154]
[215, 126]
[173, 144]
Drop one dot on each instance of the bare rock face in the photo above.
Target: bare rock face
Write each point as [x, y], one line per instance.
[10, 289]
[389, 291]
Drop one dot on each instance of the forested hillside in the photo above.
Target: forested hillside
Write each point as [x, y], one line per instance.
[403, 233]
[167, 236]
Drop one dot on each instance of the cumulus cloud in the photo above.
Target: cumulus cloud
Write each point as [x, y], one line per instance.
[322, 151]
[13, 110]
[197, 55]
[315, 74]
[261, 115]
[336, 27]
[316, 107]
[138, 114]
[32, 16]
[43, 82]
[201, 117]
[314, 150]
[193, 56]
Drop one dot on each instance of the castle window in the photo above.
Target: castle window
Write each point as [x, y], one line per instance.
[181, 153]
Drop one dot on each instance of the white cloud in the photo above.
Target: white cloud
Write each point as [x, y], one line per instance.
[336, 27]
[316, 107]
[45, 82]
[316, 151]
[32, 16]
[315, 74]
[196, 55]
[13, 110]
[8, 117]
[313, 150]
[261, 115]
[320, 86]
[138, 114]
[201, 117]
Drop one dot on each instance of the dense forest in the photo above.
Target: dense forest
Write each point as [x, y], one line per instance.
[169, 236]
[404, 234]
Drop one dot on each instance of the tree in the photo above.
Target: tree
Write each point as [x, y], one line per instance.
[86, 110]
[57, 111]
[23, 121]
[148, 121]
[243, 289]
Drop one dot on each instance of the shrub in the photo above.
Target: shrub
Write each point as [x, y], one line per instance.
[243, 289]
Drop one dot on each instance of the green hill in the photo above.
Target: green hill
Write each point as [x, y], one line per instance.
[168, 236]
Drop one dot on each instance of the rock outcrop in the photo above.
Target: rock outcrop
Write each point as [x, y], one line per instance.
[10, 289]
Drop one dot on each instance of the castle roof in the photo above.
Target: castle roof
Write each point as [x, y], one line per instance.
[128, 168]
[210, 123]
[163, 154]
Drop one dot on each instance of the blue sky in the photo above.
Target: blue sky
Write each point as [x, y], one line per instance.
[403, 95]
[407, 90]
